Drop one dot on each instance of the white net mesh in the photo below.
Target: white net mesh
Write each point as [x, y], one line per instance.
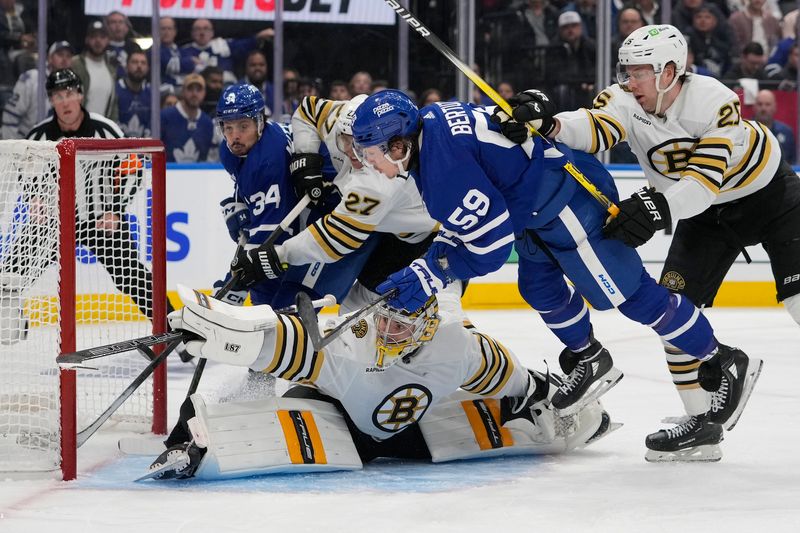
[113, 292]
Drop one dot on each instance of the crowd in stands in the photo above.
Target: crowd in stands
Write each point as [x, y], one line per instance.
[547, 44]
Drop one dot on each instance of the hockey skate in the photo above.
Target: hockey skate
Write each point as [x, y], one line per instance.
[730, 376]
[534, 408]
[591, 373]
[697, 439]
[177, 462]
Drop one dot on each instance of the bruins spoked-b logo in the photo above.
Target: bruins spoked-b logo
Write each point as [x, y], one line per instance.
[404, 406]
[360, 328]
[673, 281]
[671, 157]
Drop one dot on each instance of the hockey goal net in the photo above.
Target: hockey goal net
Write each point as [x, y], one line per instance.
[82, 264]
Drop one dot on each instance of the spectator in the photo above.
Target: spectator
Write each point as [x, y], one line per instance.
[215, 83]
[711, 39]
[256, 69]
[174, 65]
[133, 94]
[430, 96]
[587, 9]
[788, 74]
[789, 24]
[361, 83]
[750, 65]
[628, 19]
[291, 94]
[187, 132]
[536, 23]
[692, 67]
[338, 91]
[379, 85]
[20, 112]
[649, 9]
[11, 30]
[25, 58]
[765, 114]
[168, 99]
[97, 75]
[121, 43]
[771, 6]
[683, 14]
[755, 23]
[506, 90]
[209, 51]
[571, 63]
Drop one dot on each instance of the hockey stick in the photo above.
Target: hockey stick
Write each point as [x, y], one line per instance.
[308, 317]
[451, 56]
[280, 230]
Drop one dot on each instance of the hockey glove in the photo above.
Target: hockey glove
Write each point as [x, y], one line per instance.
[640, 216]
[237, 216]
[415, 284]
[256, 265]
[307, 179]
[531, 106]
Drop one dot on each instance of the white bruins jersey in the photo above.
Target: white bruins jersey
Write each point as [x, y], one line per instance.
[382, 402]
[370, 201]
[701, 137]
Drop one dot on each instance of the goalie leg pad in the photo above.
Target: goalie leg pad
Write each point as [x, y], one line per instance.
[467, 426]
[270, 436]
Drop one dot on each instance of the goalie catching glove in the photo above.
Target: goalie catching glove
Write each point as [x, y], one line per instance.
[640, 216]
[256, 265]
[306, 170]
[529, 107]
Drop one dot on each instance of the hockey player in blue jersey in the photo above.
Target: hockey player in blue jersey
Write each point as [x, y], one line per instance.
[489, 194]
[256, 153]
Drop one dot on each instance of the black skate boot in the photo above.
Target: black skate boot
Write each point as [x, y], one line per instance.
[697, 439]
[177, 462]
[592, 376]
[730, 376]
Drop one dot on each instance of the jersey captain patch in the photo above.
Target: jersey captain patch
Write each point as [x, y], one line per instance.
[671, 157]
[402, 407]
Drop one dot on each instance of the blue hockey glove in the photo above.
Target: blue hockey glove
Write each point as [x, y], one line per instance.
[640, 216]
[415, 284]
[237, 216]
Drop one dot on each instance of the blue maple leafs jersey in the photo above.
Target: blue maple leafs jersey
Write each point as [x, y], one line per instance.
[484, 188]
[185, 140]
[134, 110]
[262, 181]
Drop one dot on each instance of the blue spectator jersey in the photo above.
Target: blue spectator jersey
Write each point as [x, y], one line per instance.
[134, 109]
[174, 65]
[483, 188]
[262, 180]
[785, 135]
[185, 140]
[220, 53]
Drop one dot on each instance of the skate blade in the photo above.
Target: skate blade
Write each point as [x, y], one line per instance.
[747, 390]
[177, 463]
[709, 453]
[599, 388]
[612, 427]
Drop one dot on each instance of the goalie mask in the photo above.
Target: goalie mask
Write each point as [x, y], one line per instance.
[655, 45]
[399, 333]
[384, 117]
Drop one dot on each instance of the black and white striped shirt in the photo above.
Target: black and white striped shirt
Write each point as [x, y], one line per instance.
[93, 125]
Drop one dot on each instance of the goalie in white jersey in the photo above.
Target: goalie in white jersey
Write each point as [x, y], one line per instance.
[719, 176]
[371, 204]
[407, 385]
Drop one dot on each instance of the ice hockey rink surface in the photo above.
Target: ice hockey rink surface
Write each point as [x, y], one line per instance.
[606, 487]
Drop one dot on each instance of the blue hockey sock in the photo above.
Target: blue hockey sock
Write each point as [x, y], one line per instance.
[684, 326]
[570, 321]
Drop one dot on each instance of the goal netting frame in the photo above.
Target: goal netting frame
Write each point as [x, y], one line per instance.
[76, 161]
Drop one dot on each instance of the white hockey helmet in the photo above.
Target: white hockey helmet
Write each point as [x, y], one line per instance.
[399, 333]
[656, 45]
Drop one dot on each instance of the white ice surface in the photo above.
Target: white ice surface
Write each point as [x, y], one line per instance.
[607, 487]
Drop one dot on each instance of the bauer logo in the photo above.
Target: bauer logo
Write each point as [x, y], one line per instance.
[383, 109]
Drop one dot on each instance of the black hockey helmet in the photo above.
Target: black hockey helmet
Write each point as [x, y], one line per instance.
[63, 79]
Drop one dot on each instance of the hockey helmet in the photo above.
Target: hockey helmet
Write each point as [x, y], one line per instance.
[241, 101]
[381, 118]
[400, 333]
[63, 79]
[655, 45]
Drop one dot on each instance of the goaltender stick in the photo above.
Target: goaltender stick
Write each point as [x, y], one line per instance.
[398, 384]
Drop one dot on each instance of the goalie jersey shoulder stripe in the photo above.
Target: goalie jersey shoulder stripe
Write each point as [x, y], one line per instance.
[294, 358]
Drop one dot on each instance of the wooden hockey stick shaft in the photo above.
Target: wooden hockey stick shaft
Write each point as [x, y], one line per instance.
[475, 78]
[280, 230]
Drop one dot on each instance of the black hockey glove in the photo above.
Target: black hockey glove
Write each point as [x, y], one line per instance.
[237, 216]
[530, 106]
[640, 216]
[306, 172]
[256, 265]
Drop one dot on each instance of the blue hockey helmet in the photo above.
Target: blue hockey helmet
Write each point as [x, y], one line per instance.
[383, 116]
[240, 101]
